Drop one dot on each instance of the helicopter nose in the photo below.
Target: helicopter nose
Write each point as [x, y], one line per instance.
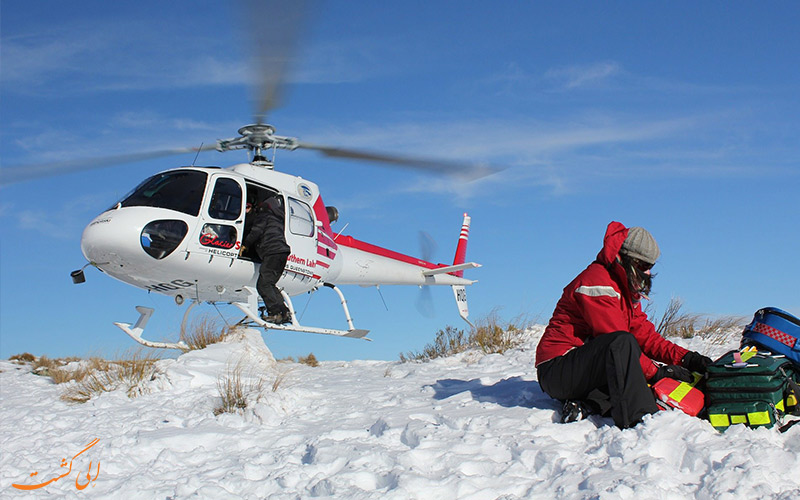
[124, 237]
[104, 240]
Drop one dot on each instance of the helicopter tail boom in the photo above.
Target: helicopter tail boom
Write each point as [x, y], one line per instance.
[371, 265]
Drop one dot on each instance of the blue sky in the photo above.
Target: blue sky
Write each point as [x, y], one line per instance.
[679, 117]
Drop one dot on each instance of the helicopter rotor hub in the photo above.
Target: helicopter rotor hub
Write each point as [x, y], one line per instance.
[256, 138]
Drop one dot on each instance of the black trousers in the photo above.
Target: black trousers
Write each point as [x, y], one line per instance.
[605, 374]
[272, 267]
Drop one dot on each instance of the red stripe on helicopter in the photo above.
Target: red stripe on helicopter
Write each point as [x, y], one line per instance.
[326, 252]
[461, 248]
[323, 264]
[325, 239]
[324, 235]
[351, 242]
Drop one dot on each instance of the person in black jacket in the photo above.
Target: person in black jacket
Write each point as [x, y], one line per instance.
[268, 239]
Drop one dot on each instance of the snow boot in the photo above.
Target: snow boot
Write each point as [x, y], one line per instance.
[275, 319]
[573, 410]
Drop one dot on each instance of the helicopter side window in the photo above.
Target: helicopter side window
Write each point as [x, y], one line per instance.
[180, 190]
[300, 219]
[218, 236]
[226, 201]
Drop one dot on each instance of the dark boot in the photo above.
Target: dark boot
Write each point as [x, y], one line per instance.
[275, 319]
[574, 410]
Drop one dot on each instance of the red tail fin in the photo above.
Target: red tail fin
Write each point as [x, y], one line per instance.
[461, 249]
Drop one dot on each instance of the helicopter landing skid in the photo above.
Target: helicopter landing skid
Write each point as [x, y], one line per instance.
[250, 308]
[136, 332]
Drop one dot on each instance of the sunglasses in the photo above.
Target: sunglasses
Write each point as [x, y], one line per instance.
[642, 266]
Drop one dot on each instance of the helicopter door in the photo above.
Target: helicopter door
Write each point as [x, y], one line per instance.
[301, 236]
[221, 219]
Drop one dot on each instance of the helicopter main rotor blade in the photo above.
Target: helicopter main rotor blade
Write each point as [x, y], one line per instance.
[462, 170]
[272, 29]
[20, 173]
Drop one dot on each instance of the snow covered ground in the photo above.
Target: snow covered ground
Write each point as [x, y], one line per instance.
[471, 426]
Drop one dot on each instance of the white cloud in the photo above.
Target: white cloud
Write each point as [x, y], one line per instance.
[556, 157]
[62, 223]
[157, 55]
[572, 77]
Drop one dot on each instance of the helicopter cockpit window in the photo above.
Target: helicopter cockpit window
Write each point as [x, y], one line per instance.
[226, 201]
[180, 190]
[300, 219]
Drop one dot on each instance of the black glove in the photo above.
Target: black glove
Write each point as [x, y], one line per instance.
[672, 371]
[696, 362]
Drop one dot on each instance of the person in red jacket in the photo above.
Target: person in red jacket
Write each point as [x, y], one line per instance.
[598, 350]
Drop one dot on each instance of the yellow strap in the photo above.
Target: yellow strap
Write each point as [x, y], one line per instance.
[759, 418]
[680, 392]
[719, 420]
[738, 419]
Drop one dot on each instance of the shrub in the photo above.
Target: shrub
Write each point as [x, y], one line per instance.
[489, 334]
[309, 360]
[447, 342]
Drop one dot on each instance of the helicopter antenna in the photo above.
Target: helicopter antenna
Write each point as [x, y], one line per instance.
[340, 232]
[198, 154]
[378, 287]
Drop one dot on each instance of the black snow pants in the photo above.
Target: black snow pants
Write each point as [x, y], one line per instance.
[272, 267]
[605, 374]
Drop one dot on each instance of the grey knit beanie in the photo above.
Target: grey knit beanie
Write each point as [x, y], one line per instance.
[641, 245]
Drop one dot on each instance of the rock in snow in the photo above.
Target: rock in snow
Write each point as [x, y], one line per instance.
[470, 426]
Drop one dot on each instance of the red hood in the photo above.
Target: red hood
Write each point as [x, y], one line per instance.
[615, 236]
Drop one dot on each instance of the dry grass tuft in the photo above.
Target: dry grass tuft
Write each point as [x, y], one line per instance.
[236, 392]
[490, 334]
[232, 392]
[716, 329]
[203, 332]
[280, 378]
[25, 357]
[62, 374]
[56, 368]
[494, 336]
[309, 360]
[99, 376]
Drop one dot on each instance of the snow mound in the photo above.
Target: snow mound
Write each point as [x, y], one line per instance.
[470, 426]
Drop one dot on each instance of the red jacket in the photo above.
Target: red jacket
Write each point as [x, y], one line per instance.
[599, 301]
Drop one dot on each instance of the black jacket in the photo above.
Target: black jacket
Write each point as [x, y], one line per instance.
[267, 234]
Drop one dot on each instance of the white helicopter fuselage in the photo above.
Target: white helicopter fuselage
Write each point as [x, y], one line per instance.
[180, 234]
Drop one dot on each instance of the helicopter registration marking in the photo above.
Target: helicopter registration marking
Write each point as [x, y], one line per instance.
[172, 285]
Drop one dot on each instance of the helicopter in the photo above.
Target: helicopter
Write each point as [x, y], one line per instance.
[179, 232]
